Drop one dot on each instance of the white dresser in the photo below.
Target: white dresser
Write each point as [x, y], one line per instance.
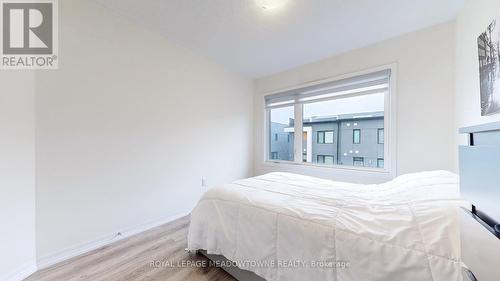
[480, 185]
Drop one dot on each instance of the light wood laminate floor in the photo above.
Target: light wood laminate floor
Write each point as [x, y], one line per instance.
[131, 258]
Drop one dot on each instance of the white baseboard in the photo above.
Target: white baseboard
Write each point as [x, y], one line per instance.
[20, 273]
[70, 252]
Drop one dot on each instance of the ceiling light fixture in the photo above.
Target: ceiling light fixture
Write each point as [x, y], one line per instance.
[271, 4]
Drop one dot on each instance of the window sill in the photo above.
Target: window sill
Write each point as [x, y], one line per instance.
[277, 163]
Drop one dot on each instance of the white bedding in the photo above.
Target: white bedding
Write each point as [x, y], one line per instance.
[281, 226]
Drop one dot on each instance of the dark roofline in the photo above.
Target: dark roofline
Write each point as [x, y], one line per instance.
[344, 117]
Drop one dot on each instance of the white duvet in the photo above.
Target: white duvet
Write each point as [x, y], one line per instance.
[290, 227]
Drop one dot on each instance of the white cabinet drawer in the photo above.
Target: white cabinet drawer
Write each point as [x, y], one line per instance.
[480, 249]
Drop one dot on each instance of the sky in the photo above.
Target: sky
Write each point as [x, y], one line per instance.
[361, 104]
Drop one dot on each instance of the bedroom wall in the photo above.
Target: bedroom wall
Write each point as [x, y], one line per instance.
[126, 129]
[425, 125]
[472, 21]
[17, 175]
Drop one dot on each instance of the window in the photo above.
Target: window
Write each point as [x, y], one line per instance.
[336, 120]
[325, 137]
[356, 136]
[345, 118]
[325, 159]
[358, 161]
[281, 124]
[380, 135]
[380, 162]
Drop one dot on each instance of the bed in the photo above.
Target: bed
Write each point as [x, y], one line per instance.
[283, 226]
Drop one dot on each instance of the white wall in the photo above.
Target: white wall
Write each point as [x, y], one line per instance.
[425, 126]
[472, 21]
[127, 127]
[17, 175]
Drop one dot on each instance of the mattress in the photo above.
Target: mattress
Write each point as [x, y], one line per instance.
[285, 226]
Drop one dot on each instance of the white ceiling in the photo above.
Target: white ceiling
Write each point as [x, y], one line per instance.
[256, 42]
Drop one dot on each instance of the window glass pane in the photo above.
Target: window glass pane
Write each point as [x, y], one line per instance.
[380, 136]
[356, 136]
[345, 129]
[329, 137]
[358, 161]
[380, 163]
[321, 137]
[321, 159]
[281, 133]
[328, 160]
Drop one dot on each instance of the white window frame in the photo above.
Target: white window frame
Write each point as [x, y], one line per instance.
[390, 131]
